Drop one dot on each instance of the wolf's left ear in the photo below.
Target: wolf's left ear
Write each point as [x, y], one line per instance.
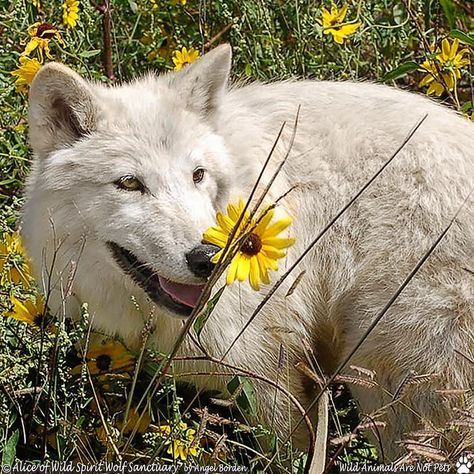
[202, 82]
[62, 109]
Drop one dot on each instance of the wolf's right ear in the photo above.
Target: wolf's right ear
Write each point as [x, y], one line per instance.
[202, 82]
[62, 109]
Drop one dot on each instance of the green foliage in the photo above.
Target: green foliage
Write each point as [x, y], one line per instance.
[204, 316]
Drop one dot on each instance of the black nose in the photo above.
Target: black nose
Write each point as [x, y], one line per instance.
[199, 259]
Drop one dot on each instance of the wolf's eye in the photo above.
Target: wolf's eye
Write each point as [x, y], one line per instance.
[130, 183]
[198, 175]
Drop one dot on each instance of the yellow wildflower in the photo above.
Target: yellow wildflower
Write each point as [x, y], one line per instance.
[184, 57]
[40, 36]
[29, 311]
[444, 69]
[109, 356]
[70, 13]
[25, 73]
[261, 248]
[331, 22]
[14, 263]
[181, 440]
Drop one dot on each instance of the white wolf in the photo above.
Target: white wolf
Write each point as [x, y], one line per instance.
[126, 179]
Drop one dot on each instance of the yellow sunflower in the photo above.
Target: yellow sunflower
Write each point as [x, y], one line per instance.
[40, 36]
[29, 311]
[110, 356]
[184, 57]
[14, 264]
[444, 69]
[332, 19]
[181, 440]
[70, 13]
[261, 248]
[25, 73]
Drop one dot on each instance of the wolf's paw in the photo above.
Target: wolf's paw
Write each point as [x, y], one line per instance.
[464, 465]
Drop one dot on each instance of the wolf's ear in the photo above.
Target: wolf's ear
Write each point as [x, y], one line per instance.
[62, 109]
[202, 82]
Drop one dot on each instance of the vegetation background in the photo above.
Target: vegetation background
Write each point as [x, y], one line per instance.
[60, 404]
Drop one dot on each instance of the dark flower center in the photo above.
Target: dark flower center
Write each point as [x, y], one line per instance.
[103, 362]
[45, 31]
[252, 245]
[39, 320]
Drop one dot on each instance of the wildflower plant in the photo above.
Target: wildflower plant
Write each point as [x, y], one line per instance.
[334, 23]
[260, 248]
[184, 57]
[70, 13]
[443, 70]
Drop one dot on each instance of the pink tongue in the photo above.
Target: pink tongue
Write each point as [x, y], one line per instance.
[185, 294]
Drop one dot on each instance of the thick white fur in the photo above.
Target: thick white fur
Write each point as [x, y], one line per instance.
[86, 136]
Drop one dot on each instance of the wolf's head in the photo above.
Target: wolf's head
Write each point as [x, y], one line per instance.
[125, 181]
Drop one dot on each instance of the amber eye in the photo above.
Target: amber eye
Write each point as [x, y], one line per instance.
[198, 175]
[130, 183]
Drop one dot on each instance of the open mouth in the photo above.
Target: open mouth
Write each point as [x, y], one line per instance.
[177, 297]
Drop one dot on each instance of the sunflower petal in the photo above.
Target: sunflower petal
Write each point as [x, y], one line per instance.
[225, 222]
[338, 37]
[342, 13]
[269, 262]
[278, 243]
[216, 236]
[232, 271]
[243, 268]
[426, 80]
[445, 48]
[265, 218]
[277, 227]
[347, 30]
[216, 257]
[263, 269]
[454, 48]
[254, 273]
[233, 212]
[272, 252]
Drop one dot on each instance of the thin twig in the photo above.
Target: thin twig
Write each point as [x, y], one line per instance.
[218, 36]
[104, 10]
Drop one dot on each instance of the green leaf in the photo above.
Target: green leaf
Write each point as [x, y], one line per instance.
[9, 451]
[449, 11]
[204, 316]
[466, 106]
[150, 368]
[398, 13]
[133, 6]
[89, 54]
[401, 71]
[463, 37]
[246, 400]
